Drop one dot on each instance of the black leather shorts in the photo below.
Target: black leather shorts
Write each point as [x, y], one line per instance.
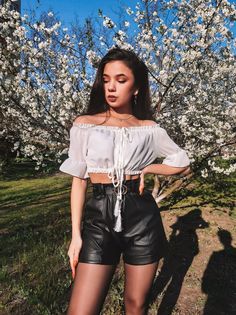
[142, 240]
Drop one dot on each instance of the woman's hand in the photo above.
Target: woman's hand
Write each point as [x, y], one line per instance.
[73, 253]
[186, 171]
[141, 185]
[161, 169]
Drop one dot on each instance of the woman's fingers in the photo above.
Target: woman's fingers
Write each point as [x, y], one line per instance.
[186, 171]
[141, 184]
[71, 262]
[73, 254]
[74, 264]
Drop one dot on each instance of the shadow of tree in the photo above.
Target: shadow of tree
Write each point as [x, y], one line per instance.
[183, 247]
[219, 279]
[219, 192]
[24, 168]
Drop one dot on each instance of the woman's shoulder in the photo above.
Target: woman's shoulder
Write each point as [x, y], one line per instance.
[148, 122]
[99, 118]
[88, 119]
[85, 119]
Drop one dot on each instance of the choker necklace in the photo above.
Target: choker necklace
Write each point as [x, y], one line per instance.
[121, 119]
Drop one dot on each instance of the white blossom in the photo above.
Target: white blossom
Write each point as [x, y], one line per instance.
[191, 71]
[67, 87]
[204, 173]
[92, 57]
[107, 22]
[129, 11]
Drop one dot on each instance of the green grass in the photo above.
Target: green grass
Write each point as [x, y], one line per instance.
[219, 193]
[35, 233]
[35, 228]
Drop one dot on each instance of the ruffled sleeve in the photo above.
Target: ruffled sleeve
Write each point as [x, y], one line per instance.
[75, 164]
[166, 148]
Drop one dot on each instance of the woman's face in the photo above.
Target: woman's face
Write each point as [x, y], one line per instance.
[119, 84]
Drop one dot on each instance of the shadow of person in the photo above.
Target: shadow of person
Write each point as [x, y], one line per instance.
[219, 279]
[183, 246]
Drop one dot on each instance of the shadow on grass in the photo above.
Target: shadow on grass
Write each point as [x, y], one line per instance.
[21, 230]
[20, 168]
[35, 234]
[26, 196]
[220, 194]
[35, 273]
[183, 247]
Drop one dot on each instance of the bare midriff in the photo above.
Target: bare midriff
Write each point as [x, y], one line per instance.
[104, 179]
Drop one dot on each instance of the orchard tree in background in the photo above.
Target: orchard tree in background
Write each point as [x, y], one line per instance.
[188, 46]
[7, 143]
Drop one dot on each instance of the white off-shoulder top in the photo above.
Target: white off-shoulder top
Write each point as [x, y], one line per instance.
[118, 151]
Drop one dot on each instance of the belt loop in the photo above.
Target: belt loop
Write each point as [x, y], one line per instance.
[99, 189]
[103, 189]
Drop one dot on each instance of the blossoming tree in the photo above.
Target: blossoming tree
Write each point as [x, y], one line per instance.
[188, 46]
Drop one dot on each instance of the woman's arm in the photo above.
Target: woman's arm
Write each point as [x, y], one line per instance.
[175, 160]
[78, 194]
[162, 169]
[77, 199]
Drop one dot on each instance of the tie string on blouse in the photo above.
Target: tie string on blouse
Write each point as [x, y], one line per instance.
[117, 175]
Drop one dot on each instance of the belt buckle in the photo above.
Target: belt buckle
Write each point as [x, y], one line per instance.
[124, 189]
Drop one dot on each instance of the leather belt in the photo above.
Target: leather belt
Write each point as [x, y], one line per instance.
[131, 185]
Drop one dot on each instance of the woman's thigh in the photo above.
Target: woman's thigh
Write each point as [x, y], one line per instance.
[138, 282]
[90, 287]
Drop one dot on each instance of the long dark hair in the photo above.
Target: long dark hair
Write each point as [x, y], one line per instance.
[142, 106]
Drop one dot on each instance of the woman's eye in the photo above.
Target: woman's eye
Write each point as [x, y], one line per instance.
[119, 81]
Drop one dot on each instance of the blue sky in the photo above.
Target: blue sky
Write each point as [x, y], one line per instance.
[68, 9]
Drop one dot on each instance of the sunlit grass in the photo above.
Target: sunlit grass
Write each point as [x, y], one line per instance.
[35, 233]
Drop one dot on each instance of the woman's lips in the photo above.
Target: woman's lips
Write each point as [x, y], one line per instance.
[112, 98]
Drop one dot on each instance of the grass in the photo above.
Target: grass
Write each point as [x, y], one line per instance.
[35, 228]
[35, 234]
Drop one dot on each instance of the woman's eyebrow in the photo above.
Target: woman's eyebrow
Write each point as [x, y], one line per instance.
[117, 75]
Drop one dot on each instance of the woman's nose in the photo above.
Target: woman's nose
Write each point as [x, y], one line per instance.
[111, 86]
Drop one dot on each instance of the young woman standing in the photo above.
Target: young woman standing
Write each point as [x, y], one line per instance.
[115, 144]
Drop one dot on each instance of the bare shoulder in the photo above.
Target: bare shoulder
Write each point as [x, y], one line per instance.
[90, 119]
[149, 122]
[83, 119]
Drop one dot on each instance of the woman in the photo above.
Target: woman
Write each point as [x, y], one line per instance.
[114, 144]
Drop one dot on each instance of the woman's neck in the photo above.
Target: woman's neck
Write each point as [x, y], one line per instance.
[120, 112]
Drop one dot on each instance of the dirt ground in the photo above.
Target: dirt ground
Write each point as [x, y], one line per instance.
[198, 276]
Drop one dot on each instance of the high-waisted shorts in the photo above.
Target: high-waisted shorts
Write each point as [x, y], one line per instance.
[142, 239]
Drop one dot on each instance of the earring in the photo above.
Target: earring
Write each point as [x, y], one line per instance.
[135, 99]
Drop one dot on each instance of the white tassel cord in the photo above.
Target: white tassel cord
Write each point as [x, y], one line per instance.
[117, 214]
[118, 225]
[119, 176]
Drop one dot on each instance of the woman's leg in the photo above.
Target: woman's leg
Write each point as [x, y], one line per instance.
[138, 281]
[90, 288]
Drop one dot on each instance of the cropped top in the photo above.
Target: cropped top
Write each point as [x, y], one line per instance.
[118, 151]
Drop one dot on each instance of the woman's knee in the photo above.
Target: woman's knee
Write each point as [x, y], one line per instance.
[134, 305]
